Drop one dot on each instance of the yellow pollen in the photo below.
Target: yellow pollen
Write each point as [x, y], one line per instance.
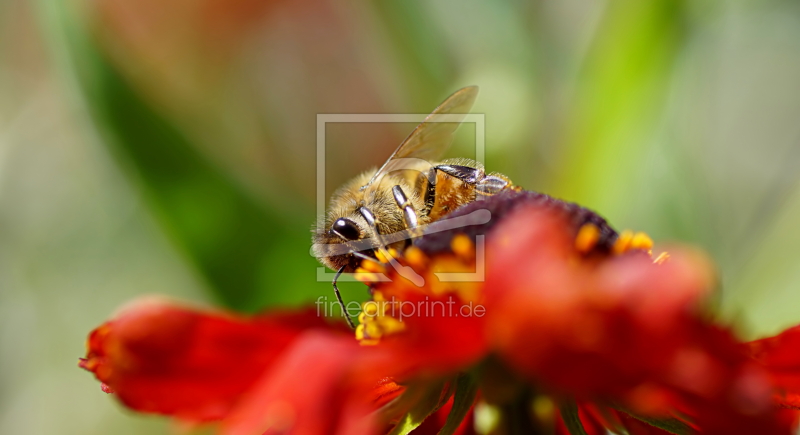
[462, 246]
[368, 342]
[623, 243]
[662, 258]
[390, 325]
[587, 238]
[370, 308]
[642, 241]
[415, 257]
[375, 322]
[372, 329]
[544, 408]
[366, 277]
[371, 266]
[379, 254]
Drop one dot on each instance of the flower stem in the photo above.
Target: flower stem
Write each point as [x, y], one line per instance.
[569, 413]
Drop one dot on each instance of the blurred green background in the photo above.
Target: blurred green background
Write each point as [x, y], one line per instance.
[169, 147]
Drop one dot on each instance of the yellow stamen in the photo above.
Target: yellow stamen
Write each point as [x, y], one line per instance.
[415, 257]
[462, 246]
[543, 408]
[662, 258]
[386, 307]
[587, 238]
[371, 266]
[366, 277]
[368, 342]
[487, 417]
[375, 321]
[372, 329]
[390, 325]
[370, 308]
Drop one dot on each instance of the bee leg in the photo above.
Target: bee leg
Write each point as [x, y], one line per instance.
[404, 271]
[339, 298]
[409, 214]
[485, 185]
[373, 224]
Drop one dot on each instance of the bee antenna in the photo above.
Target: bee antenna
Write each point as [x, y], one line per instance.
[339, 298]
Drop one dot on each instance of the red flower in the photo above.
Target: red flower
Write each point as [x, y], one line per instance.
[619, 328]
[567, 312]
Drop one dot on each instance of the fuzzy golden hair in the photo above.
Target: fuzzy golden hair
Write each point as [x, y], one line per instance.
[378, 198]
[450, 194]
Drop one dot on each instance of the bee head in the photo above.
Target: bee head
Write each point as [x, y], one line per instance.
[334, 243]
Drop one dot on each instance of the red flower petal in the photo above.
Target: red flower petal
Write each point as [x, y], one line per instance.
[617, 327]
[780, 356]
[385, 391]
[161, 358]
[432, 344]
[586, 325]
[311, 390]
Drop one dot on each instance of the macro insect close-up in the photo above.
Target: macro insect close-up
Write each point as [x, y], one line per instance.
[386, 208]
[407, 192]
[601, 241]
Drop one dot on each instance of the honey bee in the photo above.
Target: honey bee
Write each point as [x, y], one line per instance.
[409, 191]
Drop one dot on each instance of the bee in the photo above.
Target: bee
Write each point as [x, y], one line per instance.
[411, 189]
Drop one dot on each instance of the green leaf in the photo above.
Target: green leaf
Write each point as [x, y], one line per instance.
[421, 53]
[248, 254]
[466, 390]
[619, 101]
[569, 413]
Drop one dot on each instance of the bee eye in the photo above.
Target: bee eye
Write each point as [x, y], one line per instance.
[346, 229]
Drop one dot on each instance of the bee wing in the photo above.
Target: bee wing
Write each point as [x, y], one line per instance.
[434, 135]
